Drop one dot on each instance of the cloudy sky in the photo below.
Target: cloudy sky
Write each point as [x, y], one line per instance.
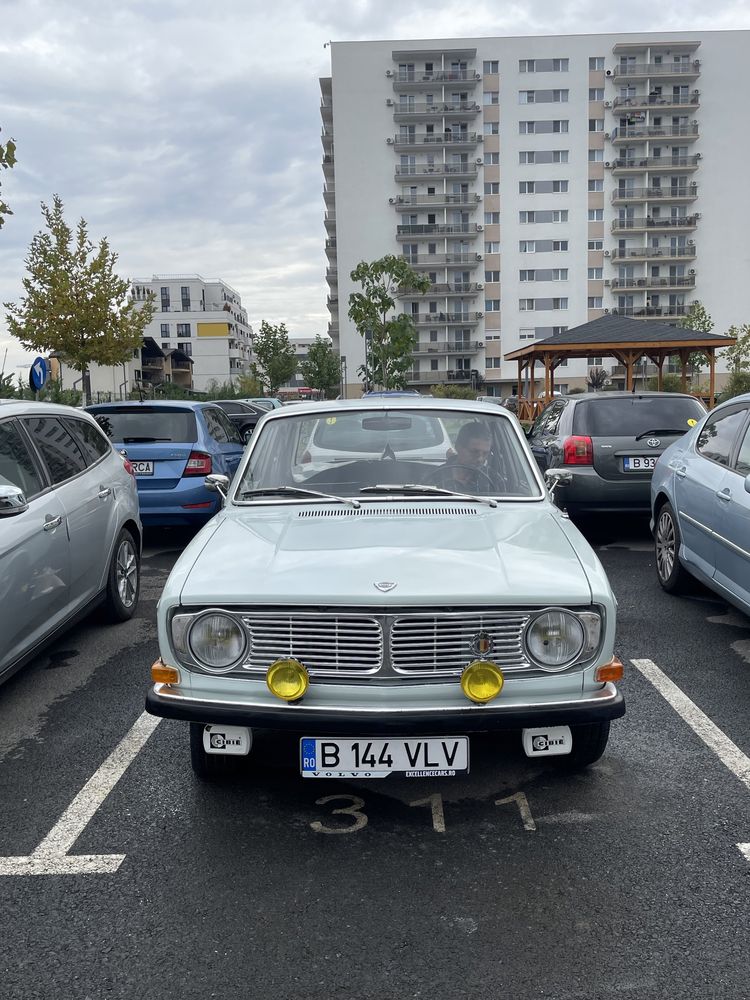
[188, 133]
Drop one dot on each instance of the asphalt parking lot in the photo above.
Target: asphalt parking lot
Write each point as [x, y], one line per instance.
[520, 880]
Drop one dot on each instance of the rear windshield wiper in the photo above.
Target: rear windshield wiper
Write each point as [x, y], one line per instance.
[433, 490]
[663, 430]
[295, 491]
[143, 440]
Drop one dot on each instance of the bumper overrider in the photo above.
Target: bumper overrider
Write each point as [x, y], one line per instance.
[338, 709]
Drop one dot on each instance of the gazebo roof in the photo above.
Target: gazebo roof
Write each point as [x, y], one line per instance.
[619, 333]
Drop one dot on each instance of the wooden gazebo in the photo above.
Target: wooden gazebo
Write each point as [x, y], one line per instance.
[627, 340]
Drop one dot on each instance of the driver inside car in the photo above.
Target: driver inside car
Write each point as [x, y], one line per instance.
[466, 469]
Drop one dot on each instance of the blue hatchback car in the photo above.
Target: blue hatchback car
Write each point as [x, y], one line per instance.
[172, 447]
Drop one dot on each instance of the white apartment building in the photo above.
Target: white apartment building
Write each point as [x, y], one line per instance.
[540, 182]
[204, 319]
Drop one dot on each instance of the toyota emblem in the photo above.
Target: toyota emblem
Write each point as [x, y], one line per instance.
[653, 442]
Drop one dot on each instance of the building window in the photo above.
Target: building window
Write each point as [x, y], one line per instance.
[594, 362]
[595, 273]
[183, 329]
[492, 158]
[491, 275]
[492, 187]
[560, 303]
[491, 128]
[596, 124]
[526, 96]
[595, 301]
[491, 218]
[527, 246]
[491, 97]
[526, 305]
[526, 187]
[490, 66]
[186, 347]
[165, 347]
[492, 246]
[559, 187]
[559, 245]
[560, 215]
[185, 298]
[526, 217]
[596, 244]
[494, 362]
[596, 215]
[527, 275]
[164, 329]
[165, 300]
[559, 274]
[492, 305]
[527, 156]
[596, 185]
[596, 93]
[596, 155]
[596, 63]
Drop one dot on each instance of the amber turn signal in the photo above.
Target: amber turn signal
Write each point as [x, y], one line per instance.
[162, 674]
[612, 671]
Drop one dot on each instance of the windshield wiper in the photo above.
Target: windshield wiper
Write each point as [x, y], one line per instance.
[434, 490]
[662, 430]
[273, 491]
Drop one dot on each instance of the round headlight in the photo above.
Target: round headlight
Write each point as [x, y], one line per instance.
[554, 639]
[217, 641]
[287, 679]
[482, 681]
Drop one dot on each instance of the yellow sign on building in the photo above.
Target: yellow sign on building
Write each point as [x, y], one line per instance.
[213, 329]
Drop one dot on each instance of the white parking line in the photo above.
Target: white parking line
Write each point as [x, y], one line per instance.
[51, 856]
[728, 752]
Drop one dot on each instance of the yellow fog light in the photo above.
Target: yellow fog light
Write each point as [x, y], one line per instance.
[287, 679]
[482, 681]
[162, 674]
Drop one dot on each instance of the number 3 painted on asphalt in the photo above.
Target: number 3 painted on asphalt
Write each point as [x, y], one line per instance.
[360, 819]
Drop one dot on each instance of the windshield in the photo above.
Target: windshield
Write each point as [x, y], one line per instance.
[346, 452]
[633, 415]
[146, 423]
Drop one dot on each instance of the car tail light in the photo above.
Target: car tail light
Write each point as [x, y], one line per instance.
[128, 467]
[198, 464]
[578, 450]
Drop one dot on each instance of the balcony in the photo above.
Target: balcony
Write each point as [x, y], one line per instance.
[683, 224]
[331, 248]
[650, 312]
[449, 347]
[640, 102]
[329, 195]
[452, 140]
[412, 80]
[457, 288]
[671, 164]
[428, 261]
[633, 133]
[647, 284]
[438, 229]
[664, 253]
[456, 171]
[439, 377]
[403, 112]
[446, 318]
[678, 193]
[434, 200]
[646, 71]
[332, 276]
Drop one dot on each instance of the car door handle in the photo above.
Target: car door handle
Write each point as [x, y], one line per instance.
[725, 495]
[681, 472]
[104, 492]
[50, 523]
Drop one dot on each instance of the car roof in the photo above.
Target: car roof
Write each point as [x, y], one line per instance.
[135, 404]
[23, 407]
[322, 407]
[581, 397]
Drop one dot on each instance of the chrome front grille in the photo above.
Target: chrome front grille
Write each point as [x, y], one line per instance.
[344, 644]
[325, 643]
[440, 643]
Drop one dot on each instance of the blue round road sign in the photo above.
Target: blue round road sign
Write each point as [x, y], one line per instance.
[38, 374]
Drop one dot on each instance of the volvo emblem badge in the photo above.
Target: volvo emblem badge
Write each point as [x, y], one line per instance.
[481, 644]
[653, 442]
[385, 586]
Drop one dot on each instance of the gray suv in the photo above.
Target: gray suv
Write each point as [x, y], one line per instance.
[606, 444]
[70, 531]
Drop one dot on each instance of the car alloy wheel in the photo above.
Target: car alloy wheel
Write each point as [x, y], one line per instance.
[126, 572]
[666, 544]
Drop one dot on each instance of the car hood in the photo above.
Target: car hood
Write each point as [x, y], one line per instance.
[522, 553]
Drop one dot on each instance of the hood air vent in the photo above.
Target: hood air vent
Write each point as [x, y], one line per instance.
[411, 511]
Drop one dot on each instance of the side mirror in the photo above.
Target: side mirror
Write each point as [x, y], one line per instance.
[555, 478]
[747, 484]
[217, 483]
[12, 501]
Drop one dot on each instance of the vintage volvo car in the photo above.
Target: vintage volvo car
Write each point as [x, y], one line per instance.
[382, 602]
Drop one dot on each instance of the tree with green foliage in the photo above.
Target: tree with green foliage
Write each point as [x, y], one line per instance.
[669, 383]
[7, 162]
[75, 304]
[389, 341]
[275, 360]
[7, 389]
[738, 356]
[697, 318]
[597, 379]
[248, 387]
[452, 392]
[321, 369]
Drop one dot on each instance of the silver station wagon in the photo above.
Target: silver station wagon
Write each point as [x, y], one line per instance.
[388, 576]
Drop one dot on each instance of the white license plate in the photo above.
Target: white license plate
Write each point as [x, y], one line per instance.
[639, 463]
[431, 757]
[142, 468]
